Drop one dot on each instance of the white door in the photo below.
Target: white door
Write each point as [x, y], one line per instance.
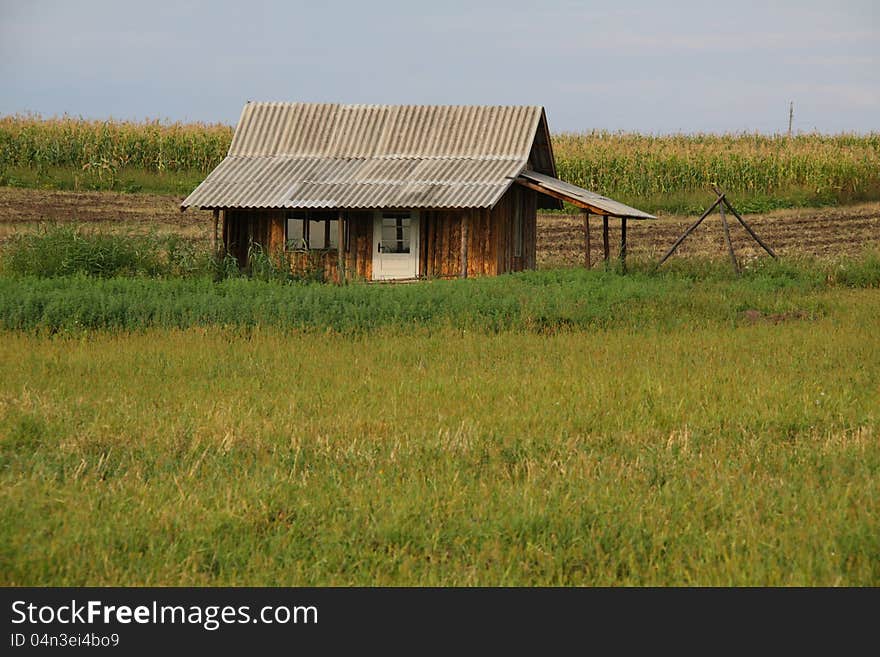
[395, 244]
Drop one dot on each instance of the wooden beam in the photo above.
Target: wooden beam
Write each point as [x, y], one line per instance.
[690, 229]
[562, 197]
[214, 248]
[623, 243]
[465, 220]
[605, 251]
[727, 239]
[340, 248]
[224, 231]
[748, 228]
[588, 263]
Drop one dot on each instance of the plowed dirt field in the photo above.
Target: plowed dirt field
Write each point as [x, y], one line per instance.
[810, 231]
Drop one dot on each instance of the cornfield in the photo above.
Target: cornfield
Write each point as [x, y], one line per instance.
[30, 141]
[634, 165]
[628, 166]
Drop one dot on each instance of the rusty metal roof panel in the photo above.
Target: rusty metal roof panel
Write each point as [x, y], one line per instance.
[578, 194]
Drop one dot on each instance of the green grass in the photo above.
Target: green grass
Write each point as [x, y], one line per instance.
[545, 301]
[61, 250]
[711, 454]
[679, 295]
[55, 250]
[177, 426]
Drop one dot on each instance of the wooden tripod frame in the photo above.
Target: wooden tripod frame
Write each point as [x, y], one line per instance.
[721, 202]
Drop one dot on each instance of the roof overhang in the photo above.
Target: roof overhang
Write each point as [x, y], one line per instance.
[578, 196]
[285, 182]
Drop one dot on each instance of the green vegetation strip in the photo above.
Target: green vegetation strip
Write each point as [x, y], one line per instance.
[533, 301]
[709, 455]
[63, 279]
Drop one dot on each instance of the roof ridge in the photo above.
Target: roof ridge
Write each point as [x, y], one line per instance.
[279, 103]
[350, 158]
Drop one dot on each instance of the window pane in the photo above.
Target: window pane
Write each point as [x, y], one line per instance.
[323, 230]
[316, 233]
[295, 232]
[395, 233]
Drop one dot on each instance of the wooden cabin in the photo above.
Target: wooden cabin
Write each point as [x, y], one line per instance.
[407, 191]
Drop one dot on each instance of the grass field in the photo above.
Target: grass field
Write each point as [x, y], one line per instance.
[559, 427]
[669, 173]
[713, 454]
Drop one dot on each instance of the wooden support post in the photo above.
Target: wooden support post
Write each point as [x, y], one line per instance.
[623, 244]
[465, 220]
[727, 239]
[748, 228]
[690, 229]
[214, 248]
[340, 248]
[588, 263]
[224, 232]
[605, 251]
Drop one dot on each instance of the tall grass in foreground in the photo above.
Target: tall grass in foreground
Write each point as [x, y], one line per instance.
[62, 250]
[669, 172]
[711, 455]
[543, 302]
[63, 279]
[68, 250]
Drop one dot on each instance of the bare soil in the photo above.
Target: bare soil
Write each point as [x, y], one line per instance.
[819, 232]
[27, 209]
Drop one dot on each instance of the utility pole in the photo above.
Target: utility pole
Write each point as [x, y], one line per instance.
[790, 116]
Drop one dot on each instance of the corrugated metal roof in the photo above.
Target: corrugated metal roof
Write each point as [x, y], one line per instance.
[302, 155]
[368, 131]
[579, 195]
[302, 182]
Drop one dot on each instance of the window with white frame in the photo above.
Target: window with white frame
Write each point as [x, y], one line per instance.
[395, 232]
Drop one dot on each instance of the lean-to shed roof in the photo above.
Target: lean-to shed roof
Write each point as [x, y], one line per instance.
[582, 198]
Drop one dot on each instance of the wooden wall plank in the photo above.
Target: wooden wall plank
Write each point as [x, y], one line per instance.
[530, 228]
[489, 245]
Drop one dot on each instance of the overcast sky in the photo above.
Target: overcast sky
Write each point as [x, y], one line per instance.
[646, 66]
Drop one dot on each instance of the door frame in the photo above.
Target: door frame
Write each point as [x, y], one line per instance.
[414, 244]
